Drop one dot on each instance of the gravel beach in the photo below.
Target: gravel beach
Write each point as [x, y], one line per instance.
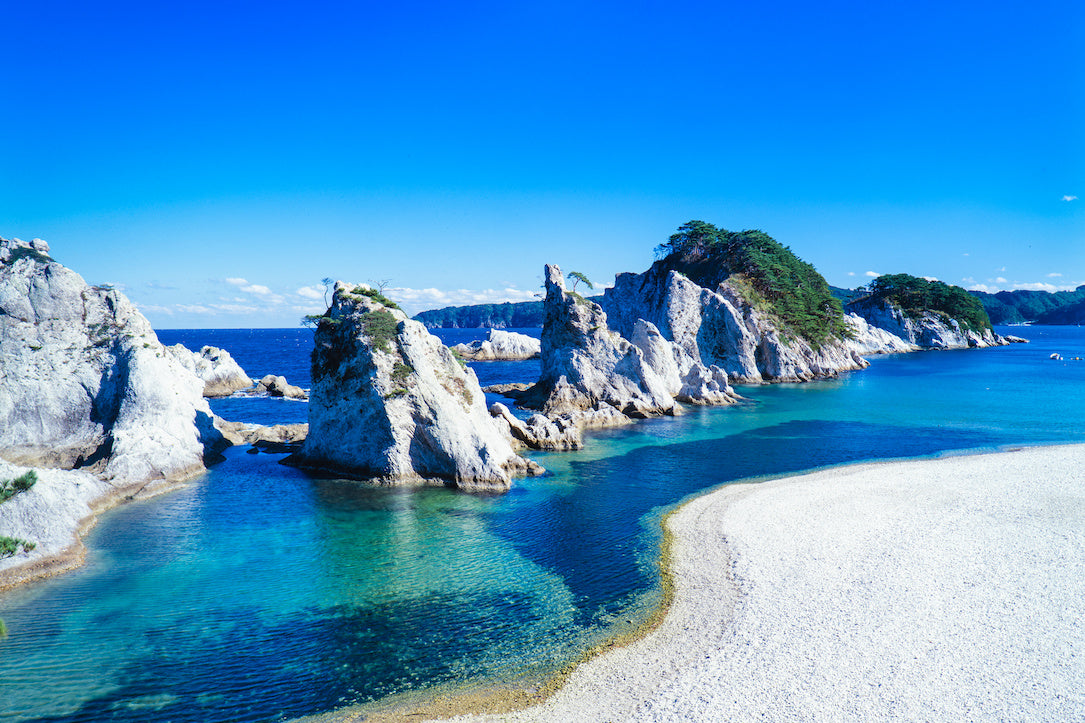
[946, 590]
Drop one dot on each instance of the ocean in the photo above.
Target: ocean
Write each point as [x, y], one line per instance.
[259, 593]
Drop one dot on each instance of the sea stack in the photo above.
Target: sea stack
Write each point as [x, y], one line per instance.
[391, 403]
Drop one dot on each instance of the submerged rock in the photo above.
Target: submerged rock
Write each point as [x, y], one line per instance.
[85, 385]
[390, 402]
[221, 375]
[500, 346]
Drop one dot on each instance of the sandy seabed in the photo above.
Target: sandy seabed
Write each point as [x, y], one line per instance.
[950, 589]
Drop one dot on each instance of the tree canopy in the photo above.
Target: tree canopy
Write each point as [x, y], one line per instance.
[792, 290]
[915, 296]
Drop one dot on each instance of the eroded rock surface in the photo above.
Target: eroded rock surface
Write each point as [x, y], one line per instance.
[277, 386]
[586, 366]
[221, 375]
[929, 330]
[85, 385]
[390, 402]
[719, 328]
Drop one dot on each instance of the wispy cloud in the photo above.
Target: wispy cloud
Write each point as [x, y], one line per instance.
[984, 288]
[415, 300]
[257, 289]
[160, 286]
[999, 280]
[237, 281]
[1054, 275]
[931, 278]
[310, 292]
[872, 274]
[1069, 198]
[851, 273]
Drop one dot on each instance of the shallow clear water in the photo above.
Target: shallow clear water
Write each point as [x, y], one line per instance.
[259, 593]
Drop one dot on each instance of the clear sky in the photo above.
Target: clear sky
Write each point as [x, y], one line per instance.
[216, 160]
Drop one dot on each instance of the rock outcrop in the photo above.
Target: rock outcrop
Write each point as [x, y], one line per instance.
[500, 346]
[221, 375]
[85, 385]
[391, 403]
[277, 386]
[585, 366]
[926, 330]
[719, 328]
[869, 339]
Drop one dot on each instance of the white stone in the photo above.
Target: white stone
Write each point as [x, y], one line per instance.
[399, 408]
[500, 346]
[221, 375]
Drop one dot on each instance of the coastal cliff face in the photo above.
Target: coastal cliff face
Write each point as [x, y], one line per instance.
[88, 393]
[85, 383]
[927, 330]
[390, 402]
[586, 366]
[720, 328]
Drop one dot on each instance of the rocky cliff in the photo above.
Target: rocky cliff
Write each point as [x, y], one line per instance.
[587, 366]
[720, 327]
[391, 403]
[85, 385]
[923, 329]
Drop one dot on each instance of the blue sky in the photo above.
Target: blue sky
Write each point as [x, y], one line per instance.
[217, 160]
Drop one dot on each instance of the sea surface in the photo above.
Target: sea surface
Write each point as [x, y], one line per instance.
[259, 593]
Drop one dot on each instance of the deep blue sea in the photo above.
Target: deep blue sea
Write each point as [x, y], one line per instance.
[258, 593]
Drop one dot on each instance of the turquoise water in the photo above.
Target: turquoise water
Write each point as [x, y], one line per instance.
[259, 593]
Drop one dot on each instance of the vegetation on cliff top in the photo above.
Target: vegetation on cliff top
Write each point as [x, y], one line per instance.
[789, 288]
[916, 296]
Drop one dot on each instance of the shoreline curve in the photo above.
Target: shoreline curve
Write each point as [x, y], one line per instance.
[940, 588]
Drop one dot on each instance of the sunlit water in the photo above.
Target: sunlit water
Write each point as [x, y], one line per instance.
[260, 593]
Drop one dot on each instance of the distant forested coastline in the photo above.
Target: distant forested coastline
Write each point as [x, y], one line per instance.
[517, 315]
[1034, 307]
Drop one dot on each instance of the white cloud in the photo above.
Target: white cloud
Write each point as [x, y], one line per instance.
[931, 278]
[1054, 275]
[193, 309]
[237, 282]
[851, 273]
[966, 254]
[984, 288]
[257, 289]
[310, 292]
[1001, 269]
[872, 274]
[1069, 198]
[1036, 286]
[999, 280]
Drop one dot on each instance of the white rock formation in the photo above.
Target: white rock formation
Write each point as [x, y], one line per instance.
[277, 386]
[390, 402]
[221, 375]
[929, 330]
[719, 328]
[585, 366]
[869, 339]
[85, 384]
[500, 346]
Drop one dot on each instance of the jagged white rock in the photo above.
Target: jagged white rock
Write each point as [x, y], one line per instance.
[719, 327]
[500, 346]
[221, 375]
[390, 402]
[586, 366]
[85, 384]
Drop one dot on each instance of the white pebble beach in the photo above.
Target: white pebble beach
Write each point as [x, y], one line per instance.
[947, 589]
